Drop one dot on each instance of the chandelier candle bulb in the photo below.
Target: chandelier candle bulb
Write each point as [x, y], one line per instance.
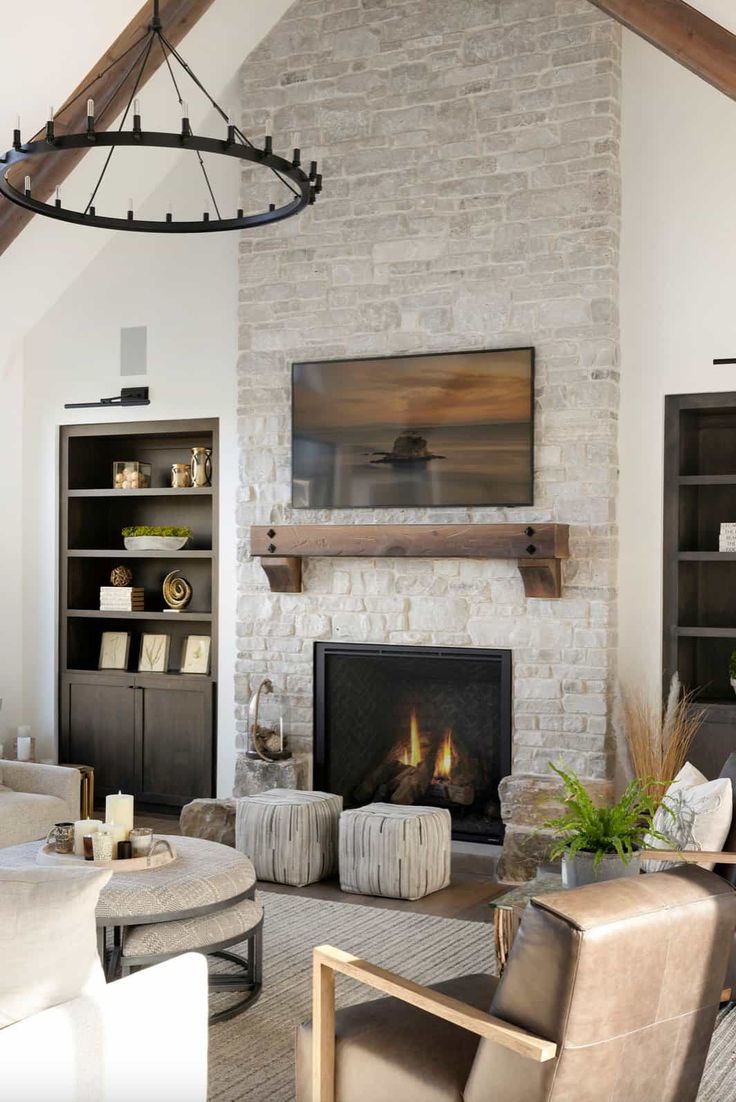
[90, 108]
[81, 828]
[297, 158]
[268, 144]
[120, 809]
[27, 185]
[16, 136]
[57, 197]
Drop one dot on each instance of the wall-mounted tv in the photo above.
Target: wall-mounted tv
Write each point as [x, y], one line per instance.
[446, 429]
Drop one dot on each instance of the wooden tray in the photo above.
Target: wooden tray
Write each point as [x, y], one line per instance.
[47, 855]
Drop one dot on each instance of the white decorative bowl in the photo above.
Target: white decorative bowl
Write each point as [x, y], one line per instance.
[155, 543]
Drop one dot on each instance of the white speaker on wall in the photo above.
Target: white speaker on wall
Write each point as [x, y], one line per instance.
[134, 350]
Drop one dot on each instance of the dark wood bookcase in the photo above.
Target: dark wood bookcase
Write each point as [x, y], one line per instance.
[152, 734]
[699, 580]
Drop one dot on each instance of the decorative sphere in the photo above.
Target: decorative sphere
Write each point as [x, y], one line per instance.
[121, 575]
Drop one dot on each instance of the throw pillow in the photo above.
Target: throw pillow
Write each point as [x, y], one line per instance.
[699, 816]
[48, 937]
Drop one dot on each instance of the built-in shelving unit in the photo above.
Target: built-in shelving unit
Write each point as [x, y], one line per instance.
[699, 619]
[152, 734]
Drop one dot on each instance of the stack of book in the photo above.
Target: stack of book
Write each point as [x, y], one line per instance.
[121, 598]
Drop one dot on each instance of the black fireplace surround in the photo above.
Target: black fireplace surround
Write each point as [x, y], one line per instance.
[415, 725]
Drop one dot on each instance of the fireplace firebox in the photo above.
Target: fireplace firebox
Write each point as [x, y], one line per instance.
[415, 725]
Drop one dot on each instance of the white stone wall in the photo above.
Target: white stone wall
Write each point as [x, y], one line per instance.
[471, 200]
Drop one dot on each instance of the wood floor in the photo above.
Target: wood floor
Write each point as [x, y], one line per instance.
[473, 883]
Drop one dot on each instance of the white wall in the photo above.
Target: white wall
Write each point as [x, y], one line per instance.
[64, 295]
[184, 290]
[678, 289]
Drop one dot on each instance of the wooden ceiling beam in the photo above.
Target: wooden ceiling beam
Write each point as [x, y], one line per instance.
[178, 17]
[684, 34]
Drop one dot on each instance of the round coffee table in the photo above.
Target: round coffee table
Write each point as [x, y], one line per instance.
[200, 896]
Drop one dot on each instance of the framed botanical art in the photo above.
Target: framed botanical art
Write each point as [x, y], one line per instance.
[154, 656]
[114, 649]
[196, 654]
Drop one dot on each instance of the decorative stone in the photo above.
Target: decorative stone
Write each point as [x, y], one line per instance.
[210, 819]
[253, 775]
[527, 801]
[523, 852]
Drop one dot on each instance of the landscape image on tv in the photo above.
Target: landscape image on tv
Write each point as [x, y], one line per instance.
[447, 429]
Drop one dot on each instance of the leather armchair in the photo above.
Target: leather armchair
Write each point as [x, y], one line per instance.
[611, 991]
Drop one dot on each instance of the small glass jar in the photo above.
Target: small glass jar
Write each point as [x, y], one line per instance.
[141, 840]
[130, 474]
[181, 476]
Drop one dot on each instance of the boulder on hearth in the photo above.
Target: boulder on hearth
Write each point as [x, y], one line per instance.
[210, 819]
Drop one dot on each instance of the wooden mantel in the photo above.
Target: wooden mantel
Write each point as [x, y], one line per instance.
[537, 548]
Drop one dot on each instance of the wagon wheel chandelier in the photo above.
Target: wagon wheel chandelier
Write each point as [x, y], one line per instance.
[301, 188]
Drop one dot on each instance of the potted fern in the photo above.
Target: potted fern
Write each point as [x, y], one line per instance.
[602, 843]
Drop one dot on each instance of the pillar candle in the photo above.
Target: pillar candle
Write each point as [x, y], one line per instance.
[24, 744]
[82, 827]
[119, 809]
[117, 832]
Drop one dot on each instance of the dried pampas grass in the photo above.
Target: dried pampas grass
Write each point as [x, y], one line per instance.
[659, 740]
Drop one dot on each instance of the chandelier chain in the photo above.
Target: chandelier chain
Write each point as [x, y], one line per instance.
[200, 158]
[223, 114]
[146, 52]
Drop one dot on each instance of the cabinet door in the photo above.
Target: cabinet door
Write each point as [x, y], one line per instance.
[98, 728]
[174, 733]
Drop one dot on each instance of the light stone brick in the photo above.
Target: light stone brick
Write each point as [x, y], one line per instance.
[470, 158]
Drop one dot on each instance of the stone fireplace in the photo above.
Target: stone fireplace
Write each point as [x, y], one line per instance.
[415, 725]
[470, 154]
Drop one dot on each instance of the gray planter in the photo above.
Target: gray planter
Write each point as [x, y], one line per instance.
[580, 870]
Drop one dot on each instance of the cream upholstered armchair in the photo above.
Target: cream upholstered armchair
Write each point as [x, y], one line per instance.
[34, 797]
[611, 991]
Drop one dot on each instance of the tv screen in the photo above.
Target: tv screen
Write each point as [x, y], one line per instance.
[453, 428]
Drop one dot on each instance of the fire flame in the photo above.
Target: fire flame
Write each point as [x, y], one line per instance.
[445, 757]
[413, 754]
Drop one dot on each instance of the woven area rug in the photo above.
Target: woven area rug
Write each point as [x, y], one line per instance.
[252, 1056]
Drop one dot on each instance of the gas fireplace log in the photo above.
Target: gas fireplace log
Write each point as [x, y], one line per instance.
[413, 783]
[462, 794]
[379, 778]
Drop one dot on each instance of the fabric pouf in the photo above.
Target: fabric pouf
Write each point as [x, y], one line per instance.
[395, 851]
[290, 836]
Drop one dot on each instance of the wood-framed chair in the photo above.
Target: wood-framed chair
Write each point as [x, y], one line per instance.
[611, 991]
